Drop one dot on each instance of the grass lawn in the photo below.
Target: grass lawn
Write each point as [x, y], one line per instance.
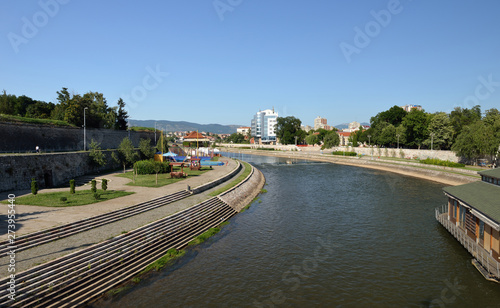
[243, 176]
[81, 197]
[149, 180]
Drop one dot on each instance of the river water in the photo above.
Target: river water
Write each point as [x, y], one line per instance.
[325, 235]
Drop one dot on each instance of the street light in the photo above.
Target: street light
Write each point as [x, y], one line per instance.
[296, 140]
[398, 140]
[432, 140]
[370, 144]
[84, 130]
[155, 132]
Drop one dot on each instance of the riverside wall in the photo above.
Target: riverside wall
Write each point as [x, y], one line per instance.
[24, 137]
[242, 194]
[50, 169]
[377, 152]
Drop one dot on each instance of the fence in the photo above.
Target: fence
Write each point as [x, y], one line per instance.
[479, 253]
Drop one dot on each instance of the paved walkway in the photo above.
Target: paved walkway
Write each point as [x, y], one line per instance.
[31, 218]
[36, 218]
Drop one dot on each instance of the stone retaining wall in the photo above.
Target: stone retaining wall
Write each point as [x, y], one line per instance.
[24, 137]
[51, 169]
[242, 194]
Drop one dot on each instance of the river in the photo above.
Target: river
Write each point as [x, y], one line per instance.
[325, 235]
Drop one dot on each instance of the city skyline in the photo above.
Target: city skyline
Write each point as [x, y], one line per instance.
[343, 61]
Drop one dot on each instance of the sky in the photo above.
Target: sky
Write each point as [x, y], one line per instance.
[221, 61]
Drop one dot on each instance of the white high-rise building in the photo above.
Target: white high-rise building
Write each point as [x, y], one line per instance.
[263, 123]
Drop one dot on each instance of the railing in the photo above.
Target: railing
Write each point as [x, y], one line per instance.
[479, 253]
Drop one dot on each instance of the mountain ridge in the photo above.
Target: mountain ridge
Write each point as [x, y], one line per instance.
[175, 126]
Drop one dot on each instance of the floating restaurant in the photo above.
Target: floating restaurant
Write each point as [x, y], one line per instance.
[472, 216]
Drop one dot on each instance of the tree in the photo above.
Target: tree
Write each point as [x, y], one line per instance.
[331, 140]
[312, 139]
[162, 145]
[288, 128]
[475, 141]
[125, 154]
[236, 138]
[104, 184]
[157, 166]
[34, 186]
[122, 116]
[96, 155]
[416, 123]
[72, 186]
[440, 132]
[460, 118]
[146, 149]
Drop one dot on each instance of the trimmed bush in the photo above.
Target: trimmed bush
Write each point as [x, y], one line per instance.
[147, 167]
[63, 199]
[97, 196]
[34, 186]
[439, 162]
[342, 153]
[94, 188]
[104, 184]
[71, 186]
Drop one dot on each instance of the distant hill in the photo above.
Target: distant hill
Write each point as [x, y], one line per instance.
[346, 125]
[174, 126]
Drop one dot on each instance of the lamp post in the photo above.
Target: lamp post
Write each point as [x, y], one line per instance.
[84, 130]
[398, 139]
[155, 133]
[370, 144]
[432, 140]
[296, 140]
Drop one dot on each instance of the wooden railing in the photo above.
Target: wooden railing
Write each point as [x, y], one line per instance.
[491, 265]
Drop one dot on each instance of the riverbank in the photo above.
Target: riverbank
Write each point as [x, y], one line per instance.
[443, 175]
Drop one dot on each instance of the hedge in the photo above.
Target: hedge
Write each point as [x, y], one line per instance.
[344, 153]
[147, 167]
[439, 162]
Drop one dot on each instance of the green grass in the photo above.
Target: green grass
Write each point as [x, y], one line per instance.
[167, 259]
[439, 162]
[342, 153]
[142, 128]
[243, 176]
[81, 197]
[207, 234]
[149, 180]
[11, 118]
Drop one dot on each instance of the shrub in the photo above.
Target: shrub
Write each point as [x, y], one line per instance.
[439, 162]
[71, 186]
[104, 184]
[34, 186]
[63, 199]
[342, 153]
[97, 196]
[94, 188]
[147, 167]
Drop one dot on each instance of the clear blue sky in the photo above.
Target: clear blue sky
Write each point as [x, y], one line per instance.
[223, 66]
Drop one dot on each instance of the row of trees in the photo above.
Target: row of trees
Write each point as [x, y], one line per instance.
[468, 132]
[70, 108]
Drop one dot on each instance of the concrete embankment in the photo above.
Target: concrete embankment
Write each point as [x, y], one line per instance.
[444, 175]
[242, 194]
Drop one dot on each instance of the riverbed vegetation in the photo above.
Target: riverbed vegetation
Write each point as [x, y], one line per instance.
[65, 198]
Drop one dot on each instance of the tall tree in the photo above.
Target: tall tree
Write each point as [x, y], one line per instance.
[146, 149]
[288, 128]
[440, 132]
[475, 141]
[416, 124]
[122, 116]
[460, 118]
[331, 140]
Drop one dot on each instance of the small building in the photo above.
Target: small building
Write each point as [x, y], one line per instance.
[344, 138]
[472, 215]
[244, 130]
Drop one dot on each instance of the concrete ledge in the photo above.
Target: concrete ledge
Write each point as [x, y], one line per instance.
[242, 194]
[216, 182]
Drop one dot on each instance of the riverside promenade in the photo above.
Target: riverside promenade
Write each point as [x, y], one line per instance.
[35, 218]
[440, 174]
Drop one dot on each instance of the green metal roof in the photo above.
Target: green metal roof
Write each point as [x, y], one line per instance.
[493, 173]
[482, 196]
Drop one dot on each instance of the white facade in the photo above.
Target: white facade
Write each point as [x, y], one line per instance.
[243, 130]
[263, 123]
[408, 108]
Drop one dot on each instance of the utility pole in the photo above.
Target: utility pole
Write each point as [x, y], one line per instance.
[155, 133]
[84, 130]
